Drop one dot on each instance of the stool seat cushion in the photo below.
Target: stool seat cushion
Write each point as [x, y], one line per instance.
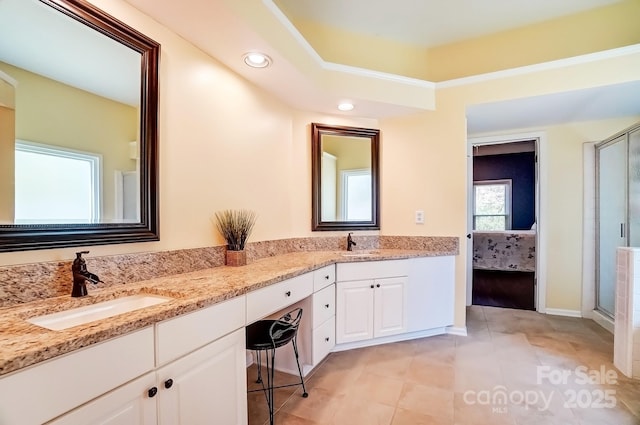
[259, 338]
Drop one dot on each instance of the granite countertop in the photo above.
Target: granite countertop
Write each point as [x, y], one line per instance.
[23, 344]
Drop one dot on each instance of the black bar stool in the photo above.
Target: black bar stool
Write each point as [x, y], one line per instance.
[267, 335]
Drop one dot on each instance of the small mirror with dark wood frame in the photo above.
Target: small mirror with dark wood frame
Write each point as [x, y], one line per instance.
[345, 178]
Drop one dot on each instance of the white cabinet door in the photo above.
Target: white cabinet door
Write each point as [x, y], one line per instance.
[354, 311]
[130, 404]
[390, 301]
[207, 386]
[431, 293]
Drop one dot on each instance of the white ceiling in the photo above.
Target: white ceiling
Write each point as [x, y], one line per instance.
[618, 100]
[433, 22]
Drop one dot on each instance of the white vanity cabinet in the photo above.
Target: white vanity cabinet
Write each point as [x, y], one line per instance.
[371, 300]
[187, 370]
[392, 300]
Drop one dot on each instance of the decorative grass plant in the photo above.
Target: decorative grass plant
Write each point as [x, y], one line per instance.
[235, 226]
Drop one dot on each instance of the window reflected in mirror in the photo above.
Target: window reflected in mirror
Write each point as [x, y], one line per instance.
[345, 177]
[81, 95]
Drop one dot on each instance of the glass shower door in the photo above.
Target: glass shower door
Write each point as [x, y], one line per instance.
[634, 188]
[612, 218]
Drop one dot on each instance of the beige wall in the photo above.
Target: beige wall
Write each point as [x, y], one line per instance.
[425, 154]
[7, 150]
[565, 206]
[226, 144]
[56, 114]
[7, 168]
[423, 167]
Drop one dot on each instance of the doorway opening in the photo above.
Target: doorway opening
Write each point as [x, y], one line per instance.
[502, 222]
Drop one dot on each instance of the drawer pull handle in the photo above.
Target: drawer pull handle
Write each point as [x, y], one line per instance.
[326, 306]
[327, 339]
[378, 285]
[168, 383]
[371, 286]
[327, 277]
[288, 293]
[152, 392]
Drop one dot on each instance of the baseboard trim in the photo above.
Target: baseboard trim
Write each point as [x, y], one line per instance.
[604, 321]
[457, 330]
[388, 339]
[563, 312]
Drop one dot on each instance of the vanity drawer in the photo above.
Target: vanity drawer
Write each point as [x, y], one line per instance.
[264, 301]
[39, 393]
[323, 277]
[371, 270]
[324, 305]
[324, 339]
[179, 336]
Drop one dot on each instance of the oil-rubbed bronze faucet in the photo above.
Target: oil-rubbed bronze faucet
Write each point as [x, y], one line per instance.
[81, 276]
[350, 242]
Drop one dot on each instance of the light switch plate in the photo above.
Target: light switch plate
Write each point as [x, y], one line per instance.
[419, 217]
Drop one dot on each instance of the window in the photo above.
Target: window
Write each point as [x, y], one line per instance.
[56, 185]
[356, 195]
[492, 205]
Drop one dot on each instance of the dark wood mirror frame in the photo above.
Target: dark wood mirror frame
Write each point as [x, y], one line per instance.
[317, 131]
[41, 236]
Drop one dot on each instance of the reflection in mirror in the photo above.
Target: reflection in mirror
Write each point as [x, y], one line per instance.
[78, 117]
[345, 177]
[76, 104]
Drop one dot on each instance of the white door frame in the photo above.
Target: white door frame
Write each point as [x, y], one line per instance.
[540, 208]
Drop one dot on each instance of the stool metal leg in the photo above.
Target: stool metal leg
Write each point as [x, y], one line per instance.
[295, 350]
[270, 382]
[259, 357]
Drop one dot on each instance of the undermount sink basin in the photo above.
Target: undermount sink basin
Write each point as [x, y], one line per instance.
[90, 313]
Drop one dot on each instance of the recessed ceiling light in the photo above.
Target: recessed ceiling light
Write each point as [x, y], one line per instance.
[257, 60]
[345, 106]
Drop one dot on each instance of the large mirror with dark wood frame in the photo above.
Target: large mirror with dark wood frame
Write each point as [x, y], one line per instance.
[78, 127]
[345, 178]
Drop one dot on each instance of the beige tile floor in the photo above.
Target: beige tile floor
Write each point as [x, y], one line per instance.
[539, 364]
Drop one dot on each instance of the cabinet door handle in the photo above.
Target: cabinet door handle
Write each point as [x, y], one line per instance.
[152, 392]
[378, 285]
[622, 230]
[288, 293]
[327, 277]
[371, 286]
[327, 339]
[326, 306]
[168, 383]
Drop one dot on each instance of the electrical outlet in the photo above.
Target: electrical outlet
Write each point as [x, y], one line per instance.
[419, 217]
